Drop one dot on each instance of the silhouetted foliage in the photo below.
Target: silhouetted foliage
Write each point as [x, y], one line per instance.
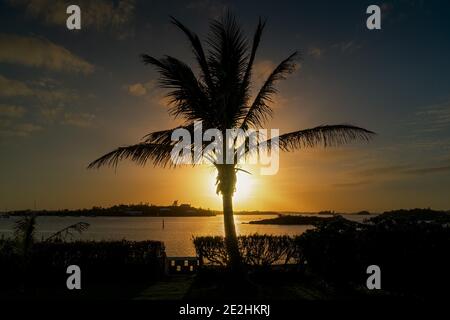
[412, 216]
[410, 246]
[256, 250]
[112, 262]
[68, 232]
[24, 231]
[123, 210]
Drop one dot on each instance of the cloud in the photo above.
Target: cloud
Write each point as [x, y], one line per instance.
[9, 129]
[433, 118]
[262, 69]
[428, 170]
[401, 170]
[150, 91]
[12, 88]
[347, 47]
[99, 15]
[315, 52]
[137, 89]
[46, 96]
[41, 53]
[49, 101]
[50, 114]
[213, 8]
[141, 88]
[393, 12]
[11, 111]
[352, 184]
[78, 119]
[386, 170]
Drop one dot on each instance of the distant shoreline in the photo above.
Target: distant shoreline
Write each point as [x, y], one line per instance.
[185, 210]
[293, 220]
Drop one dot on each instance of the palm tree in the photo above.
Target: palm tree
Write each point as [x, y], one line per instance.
[219, 96]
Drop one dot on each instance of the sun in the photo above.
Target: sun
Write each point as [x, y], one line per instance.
[245, 186]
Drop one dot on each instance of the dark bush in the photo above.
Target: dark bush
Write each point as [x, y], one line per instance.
[256, 250]
[100, 262]
[332, 251]
[211, 250]
[264, 250]
[410, 247]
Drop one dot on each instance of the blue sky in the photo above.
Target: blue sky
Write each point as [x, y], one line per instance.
[67, 97]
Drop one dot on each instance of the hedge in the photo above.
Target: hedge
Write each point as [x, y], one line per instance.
[256, 250]
[100, 261]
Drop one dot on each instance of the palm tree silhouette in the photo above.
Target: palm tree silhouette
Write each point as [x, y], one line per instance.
[220, 97]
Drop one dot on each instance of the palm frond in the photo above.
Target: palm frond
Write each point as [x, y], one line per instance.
[260, 110]
[141, 153]
[228, 50]
[68, 232]
[255, 45]
[326, 136]
[227, 60]
[187, 95]
[25, 228]
[165, 136]
[198, 51]
[24, 232]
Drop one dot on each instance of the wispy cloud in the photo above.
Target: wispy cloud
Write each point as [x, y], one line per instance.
[11, 111]
[399, 170]
[352, 184]
[397, 11]
[78, 119]
[41, 53]
[428, 170]
[383, 170]
[213, 8]
[315, 52]
[347, 47]
[15, 88]
[100, 15]
[149, 91]
[433, 118]
[139, 89]
[12, 129]
[382, 174]
[49, 104]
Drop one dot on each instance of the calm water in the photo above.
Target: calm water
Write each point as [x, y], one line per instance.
[176, 235]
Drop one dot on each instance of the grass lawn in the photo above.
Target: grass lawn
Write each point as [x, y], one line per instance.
[218, 287]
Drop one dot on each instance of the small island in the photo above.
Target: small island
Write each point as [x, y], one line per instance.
[293, 220]
[123, 210]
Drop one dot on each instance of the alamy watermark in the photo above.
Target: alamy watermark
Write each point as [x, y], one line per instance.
[234, 146]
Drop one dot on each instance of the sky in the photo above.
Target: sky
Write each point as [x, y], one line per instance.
[69, 96]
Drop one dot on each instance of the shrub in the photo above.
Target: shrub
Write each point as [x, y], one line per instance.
[211, 250]
[256, 250]
[264, 250]
[410, 247]
[114, 261]
[332, 251]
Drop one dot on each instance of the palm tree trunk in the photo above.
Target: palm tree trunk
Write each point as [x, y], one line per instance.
[231, 241]
[226, 180]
